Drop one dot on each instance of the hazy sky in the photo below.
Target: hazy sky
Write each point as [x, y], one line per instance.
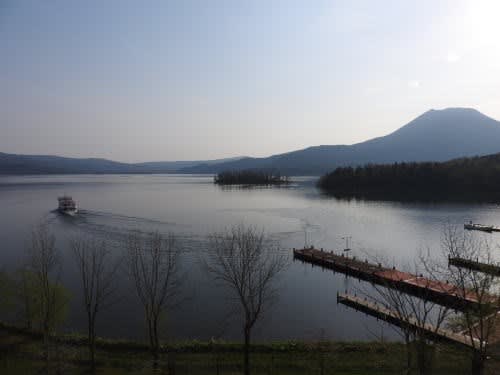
[179, 80]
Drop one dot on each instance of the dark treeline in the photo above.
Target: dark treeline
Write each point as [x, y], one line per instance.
[250, 177]
[475, 178]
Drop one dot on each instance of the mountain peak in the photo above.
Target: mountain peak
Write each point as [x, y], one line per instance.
[448, 120]
[436, 135]
[439, 135]
[461, 112]
[455, 109]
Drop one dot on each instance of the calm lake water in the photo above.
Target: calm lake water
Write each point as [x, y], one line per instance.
[191, 207]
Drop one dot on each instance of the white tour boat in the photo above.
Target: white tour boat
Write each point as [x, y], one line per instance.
[67, 205]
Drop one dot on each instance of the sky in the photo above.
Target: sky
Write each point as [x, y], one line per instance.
[189, 80]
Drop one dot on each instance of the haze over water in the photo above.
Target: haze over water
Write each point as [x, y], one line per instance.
[191, 207]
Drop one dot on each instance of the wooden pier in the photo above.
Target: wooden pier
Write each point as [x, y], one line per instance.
[439, 292]
[392, 317]
[488, 268]
[481, 227]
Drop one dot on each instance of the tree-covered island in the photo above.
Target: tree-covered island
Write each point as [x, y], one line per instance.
[250, 177]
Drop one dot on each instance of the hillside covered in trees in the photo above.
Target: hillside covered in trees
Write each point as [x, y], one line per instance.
[476, 178]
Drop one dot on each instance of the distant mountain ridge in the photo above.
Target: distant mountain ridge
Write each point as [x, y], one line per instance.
[436, 135]
[13, 164]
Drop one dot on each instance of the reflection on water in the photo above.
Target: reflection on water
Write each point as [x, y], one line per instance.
[113, 207]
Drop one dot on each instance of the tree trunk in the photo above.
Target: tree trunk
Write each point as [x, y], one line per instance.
[29, 319]
[46, 345]
[246, 359]
[423, 358]
[91, 341]
[408, 353]
[92, 351]
[92, 354]
[156, 343]
[171, 363]
[477, 363]
[150, 335]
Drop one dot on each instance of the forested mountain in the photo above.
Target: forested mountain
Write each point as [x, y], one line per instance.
[44, 164]
[476, 178]
[436, 135]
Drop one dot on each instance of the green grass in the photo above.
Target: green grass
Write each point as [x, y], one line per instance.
[21, 352]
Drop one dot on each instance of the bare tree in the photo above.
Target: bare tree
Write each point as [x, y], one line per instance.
[26, 289]
[31, 299]
[417, 317]
[153, 265]
[97, 274]
[241, 260]
[478, 322]
[43, 267]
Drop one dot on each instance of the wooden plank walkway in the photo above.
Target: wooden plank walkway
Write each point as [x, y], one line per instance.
[439, 292]
[390, 316]
[488, 268]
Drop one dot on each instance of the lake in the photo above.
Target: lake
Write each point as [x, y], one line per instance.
[192, 207]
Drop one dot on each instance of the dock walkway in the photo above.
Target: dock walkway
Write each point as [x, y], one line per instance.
[392, 317]
[488, 268]
[439, 292]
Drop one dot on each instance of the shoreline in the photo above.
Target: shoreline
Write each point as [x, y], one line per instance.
[195, 346]
[21, 351]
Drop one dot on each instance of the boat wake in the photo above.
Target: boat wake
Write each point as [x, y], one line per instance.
[117, 228]
[89, 214]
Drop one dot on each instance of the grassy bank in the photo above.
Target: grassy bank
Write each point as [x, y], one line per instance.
[21, 352]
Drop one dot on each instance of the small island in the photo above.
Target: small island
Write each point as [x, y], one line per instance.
[475, 178]
[250, 177]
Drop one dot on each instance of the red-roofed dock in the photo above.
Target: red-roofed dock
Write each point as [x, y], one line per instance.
[440, 292]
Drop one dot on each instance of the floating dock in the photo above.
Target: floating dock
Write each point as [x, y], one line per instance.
[481, 227]
[439, 292]
[431, 332]
[475, 265]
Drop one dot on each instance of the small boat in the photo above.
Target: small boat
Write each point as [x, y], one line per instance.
[67, 205]
[473, 226]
